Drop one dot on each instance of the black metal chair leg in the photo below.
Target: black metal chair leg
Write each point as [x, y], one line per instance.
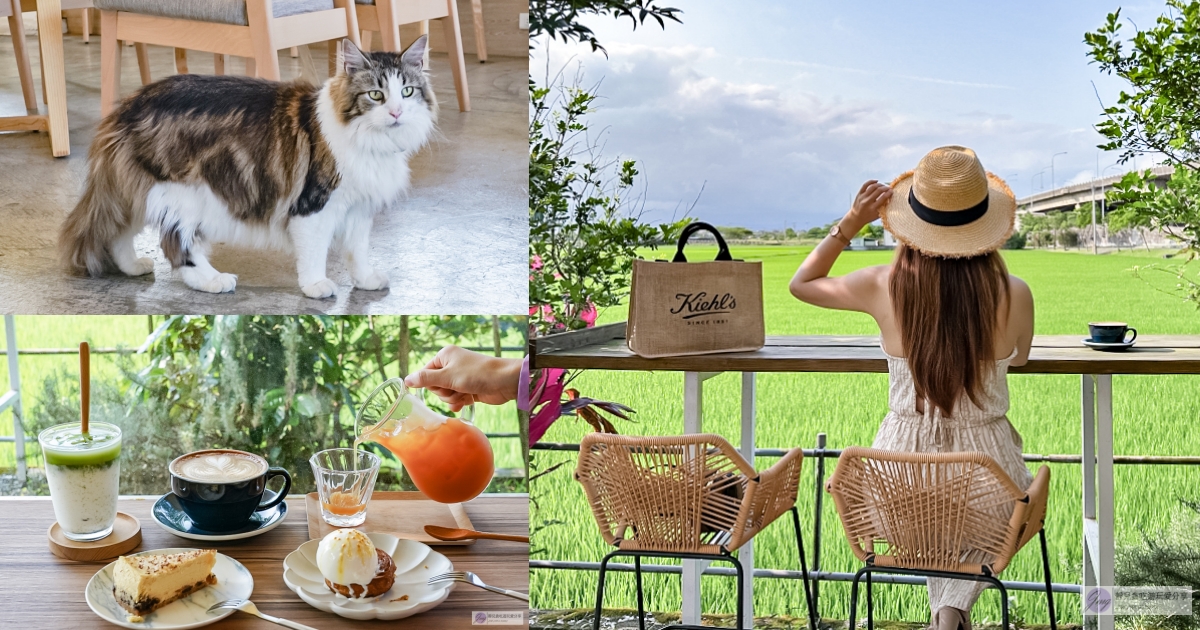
[1003, 603]
[600, 591]
[854, 597]
[741, 594]
[637, 572]
[870, 605]
[813, 623]
[1046, 573]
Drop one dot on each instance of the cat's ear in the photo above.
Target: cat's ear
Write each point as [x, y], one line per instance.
[415, 54]
[353, 59]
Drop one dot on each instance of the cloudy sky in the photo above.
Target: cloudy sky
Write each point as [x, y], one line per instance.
[781, 109]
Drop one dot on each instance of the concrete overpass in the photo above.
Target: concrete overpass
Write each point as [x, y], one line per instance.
[1082, 194]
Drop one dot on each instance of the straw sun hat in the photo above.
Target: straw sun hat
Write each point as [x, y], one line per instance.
[949, 207]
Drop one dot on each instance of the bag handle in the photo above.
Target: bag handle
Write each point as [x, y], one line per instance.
[700, 226]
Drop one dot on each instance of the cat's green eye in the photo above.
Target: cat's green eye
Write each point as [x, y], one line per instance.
[375, 95]
[407, 91]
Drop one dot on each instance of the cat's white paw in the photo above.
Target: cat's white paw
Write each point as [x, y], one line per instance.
[373, 281]
[209, 283]
[139, 267]
[320, 289]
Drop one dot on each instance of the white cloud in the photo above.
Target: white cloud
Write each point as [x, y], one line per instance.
[769, 157]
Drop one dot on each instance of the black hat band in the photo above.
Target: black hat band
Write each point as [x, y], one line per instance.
[943, 218]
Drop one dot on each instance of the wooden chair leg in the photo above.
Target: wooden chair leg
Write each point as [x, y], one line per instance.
[42, 70]
[333, 57]
[458, 66]
[110, 62]
[266, 55]
[480, 36]
[85, 16]
[181, 60]
[366, 40]
[423, 29]
[50, 38]
[143, 57]
[218, 64]
[389, 27]
[294, 51]
[20, 48]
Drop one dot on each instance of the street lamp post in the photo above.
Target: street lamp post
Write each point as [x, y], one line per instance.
[1052, 183]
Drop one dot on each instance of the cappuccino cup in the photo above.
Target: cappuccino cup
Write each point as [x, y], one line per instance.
[1111, 332]
[220, 489]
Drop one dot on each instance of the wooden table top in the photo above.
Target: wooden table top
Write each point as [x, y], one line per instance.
[603, 348]
[39, 591]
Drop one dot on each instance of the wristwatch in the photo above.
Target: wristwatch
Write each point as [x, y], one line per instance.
[836, 232]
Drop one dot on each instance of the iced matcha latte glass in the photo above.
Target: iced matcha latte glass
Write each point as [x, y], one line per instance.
[84, 472]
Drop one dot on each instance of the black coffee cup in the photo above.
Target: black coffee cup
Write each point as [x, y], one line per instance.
[1111, 332]
[220, 489]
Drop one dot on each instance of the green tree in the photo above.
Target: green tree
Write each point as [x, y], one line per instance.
[583, 231]
[790, 234]
[1159, 113]
[559, 19]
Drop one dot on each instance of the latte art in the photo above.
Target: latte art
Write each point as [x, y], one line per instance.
[219, 467]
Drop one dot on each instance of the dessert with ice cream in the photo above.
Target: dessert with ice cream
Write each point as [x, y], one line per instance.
[147, 582]
[352, 566]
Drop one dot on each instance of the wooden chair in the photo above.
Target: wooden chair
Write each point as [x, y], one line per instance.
[386, 16]
[945, 515]
[254, 29]
[690, 496]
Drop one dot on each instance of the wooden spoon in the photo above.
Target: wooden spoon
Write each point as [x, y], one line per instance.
[448, 534]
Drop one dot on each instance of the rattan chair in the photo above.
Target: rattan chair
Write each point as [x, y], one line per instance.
[689, 497]
[945, 515]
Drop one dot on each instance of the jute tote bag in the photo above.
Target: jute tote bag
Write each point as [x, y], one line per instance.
[680, 308]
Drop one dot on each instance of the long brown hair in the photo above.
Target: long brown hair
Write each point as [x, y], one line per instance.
[947, 312]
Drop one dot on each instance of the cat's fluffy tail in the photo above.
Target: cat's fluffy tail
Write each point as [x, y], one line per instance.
[105, 211]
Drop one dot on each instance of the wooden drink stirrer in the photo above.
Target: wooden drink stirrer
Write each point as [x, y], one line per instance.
[85, 384]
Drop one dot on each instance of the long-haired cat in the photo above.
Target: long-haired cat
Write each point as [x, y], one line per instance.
[239, 160]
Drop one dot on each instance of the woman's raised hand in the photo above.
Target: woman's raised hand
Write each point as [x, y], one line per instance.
[871, 197]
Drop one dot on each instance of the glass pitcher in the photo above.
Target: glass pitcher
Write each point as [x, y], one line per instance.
[448, 458]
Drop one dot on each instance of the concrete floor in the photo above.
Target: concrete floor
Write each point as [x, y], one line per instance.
[457, 245]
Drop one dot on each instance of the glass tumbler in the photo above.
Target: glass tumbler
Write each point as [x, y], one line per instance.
[345, 478]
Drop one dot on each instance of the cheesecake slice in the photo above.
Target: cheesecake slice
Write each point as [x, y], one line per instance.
[145, 583]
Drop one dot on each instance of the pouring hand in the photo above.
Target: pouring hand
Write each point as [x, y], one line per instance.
[460, 377]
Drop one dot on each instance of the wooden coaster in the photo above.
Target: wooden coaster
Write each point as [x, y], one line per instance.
[401, 514]
[126, 536]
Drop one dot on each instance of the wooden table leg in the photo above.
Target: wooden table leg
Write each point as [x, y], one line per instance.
[1088, 436]
[49, 14]
[85, 16]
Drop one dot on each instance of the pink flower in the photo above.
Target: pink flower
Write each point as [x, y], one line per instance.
[547, 394]
[589, 315]
[536, 263]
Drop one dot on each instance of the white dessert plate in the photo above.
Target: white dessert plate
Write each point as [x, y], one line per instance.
[410, 595]
[233, 582]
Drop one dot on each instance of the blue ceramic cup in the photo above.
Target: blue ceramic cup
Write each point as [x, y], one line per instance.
[220, 489]
[1111, 332]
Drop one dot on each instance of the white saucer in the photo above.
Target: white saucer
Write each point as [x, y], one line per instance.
[233, 582]
[1098, 345]
[410, 595]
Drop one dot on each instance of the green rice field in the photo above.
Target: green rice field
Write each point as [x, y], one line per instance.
[129, 332]
[1154, 415]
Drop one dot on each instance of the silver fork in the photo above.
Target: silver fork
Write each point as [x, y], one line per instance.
[466, 577]
[248, 606]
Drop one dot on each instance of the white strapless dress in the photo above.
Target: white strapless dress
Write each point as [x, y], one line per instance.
[983, 429]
